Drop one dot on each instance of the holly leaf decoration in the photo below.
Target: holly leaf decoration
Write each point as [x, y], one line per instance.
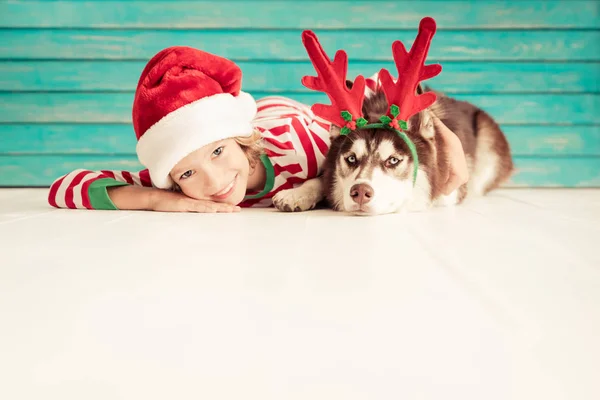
[345, 130]
[394, 110]
[403, 125]
[347, 116]
[385, 120]
[361, 122]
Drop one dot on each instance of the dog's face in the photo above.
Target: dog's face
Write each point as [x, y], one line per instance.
[370, 172]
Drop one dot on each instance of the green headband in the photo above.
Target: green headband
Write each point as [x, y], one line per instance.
[393, 124]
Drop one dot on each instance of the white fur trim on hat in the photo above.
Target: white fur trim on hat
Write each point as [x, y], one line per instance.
[191, 127]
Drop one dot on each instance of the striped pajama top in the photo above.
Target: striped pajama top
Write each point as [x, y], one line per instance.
[295, 145]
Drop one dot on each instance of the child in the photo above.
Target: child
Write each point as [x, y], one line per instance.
[207, 146]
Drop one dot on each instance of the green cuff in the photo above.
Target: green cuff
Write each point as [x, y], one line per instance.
[99, 196]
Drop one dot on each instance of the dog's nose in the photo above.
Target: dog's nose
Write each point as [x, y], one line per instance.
[361, 193]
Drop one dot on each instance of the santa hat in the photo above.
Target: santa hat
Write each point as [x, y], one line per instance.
[185, 99]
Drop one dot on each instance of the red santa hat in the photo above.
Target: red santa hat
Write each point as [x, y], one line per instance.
[185, 99]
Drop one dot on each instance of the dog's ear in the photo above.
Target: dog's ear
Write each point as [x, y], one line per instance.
[426, 127]
[423, 121]
[334, 131]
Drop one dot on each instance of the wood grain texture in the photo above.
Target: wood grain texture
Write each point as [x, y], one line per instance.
[490, 14]
[116, 107]
[42, 170]
[496, 299]
[68, 70]
[90, 44]
[120, 139]
[278, 76]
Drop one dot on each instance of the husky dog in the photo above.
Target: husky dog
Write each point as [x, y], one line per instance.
[387, 154]
[370, 171]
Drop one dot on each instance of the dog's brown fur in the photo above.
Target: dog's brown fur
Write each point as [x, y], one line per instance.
[479, 134]
[486, 149]
[481, 137]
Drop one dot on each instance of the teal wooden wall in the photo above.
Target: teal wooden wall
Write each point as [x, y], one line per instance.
[68, 70]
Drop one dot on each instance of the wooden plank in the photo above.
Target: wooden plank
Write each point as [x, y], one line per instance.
[120, 139]
[277, 76]
[116, 107]
[286, 44]
[300, 15]
[556, 172]
[67, 139]
[43, 170]
[37, 170]
[554, 140]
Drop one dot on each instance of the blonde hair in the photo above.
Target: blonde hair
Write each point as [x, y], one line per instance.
[250, 145]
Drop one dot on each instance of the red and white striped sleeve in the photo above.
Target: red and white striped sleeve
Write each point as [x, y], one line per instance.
[88, 189]
[295, 143]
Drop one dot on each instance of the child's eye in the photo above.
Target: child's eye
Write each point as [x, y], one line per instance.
[218, 151]
[187, 174]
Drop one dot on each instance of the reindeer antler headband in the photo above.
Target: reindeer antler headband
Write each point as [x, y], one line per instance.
[345, 110]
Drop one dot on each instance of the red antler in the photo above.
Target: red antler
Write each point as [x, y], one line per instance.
[411, 70]
[331, 79]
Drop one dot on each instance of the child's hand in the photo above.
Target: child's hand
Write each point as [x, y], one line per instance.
[458, 172]
[178, 202]
[152, 199]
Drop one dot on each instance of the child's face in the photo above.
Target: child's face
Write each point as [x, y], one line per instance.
[217, 172]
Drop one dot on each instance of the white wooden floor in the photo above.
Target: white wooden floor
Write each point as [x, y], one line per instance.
[496, 299]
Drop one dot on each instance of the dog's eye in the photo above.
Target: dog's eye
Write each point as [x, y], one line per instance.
[392, 162]
[351, 159]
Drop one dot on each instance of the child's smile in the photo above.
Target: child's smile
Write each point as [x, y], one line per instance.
[221, 195]
[219, 172]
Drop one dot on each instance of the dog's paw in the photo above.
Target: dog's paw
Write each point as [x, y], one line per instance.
[294, 200]
[447, 200]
